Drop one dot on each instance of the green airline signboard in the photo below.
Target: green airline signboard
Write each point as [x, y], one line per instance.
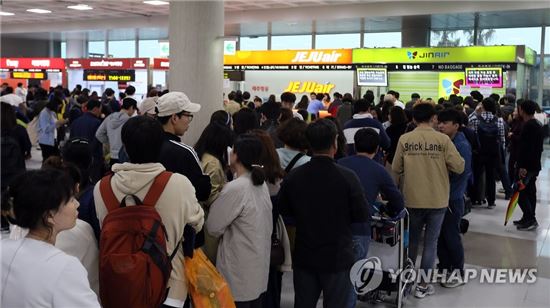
[484, 54]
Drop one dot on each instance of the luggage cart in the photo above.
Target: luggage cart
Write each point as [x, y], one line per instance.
[389, 243]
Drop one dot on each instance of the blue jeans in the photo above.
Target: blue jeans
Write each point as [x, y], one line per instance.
[450, 251]
[360, 251]
[432, 219]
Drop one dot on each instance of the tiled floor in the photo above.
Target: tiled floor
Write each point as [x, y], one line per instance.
[490, 244]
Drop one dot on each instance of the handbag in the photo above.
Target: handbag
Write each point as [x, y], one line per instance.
[277, 257]
[207, 288]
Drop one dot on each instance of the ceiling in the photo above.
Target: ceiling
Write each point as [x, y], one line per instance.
[120, 20]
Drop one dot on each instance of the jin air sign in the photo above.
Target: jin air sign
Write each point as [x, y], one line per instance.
[483, 54]
[372, 77]
[484, 77]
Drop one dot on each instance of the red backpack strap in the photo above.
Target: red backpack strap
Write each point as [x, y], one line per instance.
[107, 194]
[157, 188]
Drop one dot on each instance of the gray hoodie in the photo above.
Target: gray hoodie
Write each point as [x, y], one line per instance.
[110, 131]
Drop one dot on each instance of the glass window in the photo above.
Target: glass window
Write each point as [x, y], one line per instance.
[122, 49]
[255, 43]
[291, 42]
[96, 48]
[149, 49]
[63, 50]
[348, 40]
[511, 36]
[384, 39]
[451, 38]
[547, 41]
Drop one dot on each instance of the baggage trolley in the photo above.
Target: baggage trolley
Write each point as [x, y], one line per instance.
[389, 242]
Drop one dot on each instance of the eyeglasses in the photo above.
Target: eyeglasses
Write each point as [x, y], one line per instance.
[189, 115]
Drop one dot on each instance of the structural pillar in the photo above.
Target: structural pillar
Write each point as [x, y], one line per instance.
[196, 58]
[76, 48]
[415, 31]
[541, 67]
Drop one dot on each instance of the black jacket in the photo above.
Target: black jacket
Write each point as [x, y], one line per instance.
[531, 146]
[324, 199]
[181, 158]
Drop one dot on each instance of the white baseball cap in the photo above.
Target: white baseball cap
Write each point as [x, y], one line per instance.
[175, 102]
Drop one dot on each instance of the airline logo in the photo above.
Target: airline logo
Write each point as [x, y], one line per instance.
[12, 63]
[40, 63]
[316, 57]
[103, 63]
[412, 55]
[308, 87]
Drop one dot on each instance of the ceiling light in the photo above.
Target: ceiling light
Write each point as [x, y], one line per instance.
[6, 14]
[156, 2]
[80, 7]
[39, 11]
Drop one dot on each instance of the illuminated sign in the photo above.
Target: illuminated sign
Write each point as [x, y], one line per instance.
[289, 57]
[28, 75]
[229, 48]
[372, 77]
[484, 77]
[161, 64]
[109, 75]
[474, 54]
[102, 64]
[36, 63]
[450, 83]
[308, 87]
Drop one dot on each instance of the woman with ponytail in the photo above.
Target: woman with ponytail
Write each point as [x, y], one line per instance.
[241, 217]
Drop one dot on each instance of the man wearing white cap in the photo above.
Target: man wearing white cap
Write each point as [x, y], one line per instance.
[175, 113]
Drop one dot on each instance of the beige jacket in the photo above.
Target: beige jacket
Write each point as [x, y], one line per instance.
[213, 168]
[424, 159]
[177, 206]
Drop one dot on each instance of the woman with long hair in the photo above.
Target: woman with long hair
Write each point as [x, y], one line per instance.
[241, 217]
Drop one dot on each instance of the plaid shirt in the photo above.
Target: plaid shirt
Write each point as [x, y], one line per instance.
[473, 122]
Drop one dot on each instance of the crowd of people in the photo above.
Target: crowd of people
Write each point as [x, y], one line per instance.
[262, 176]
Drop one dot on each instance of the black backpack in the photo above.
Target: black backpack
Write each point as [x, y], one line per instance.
[13, 161]
[487, 134]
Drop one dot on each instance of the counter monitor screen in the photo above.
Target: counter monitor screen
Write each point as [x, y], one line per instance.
[372, 77]
[484, 77]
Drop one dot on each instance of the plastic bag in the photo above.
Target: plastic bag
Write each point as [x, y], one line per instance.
[207, 288]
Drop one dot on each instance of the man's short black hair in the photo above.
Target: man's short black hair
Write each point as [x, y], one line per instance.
[361, 105]
[129, 102]
[109, 92]
[246, 95]
[271, 110]
[293, 134]
[19, 84]
[422, 113]
[93, 104]
[450, 115]
[529, 107]
[476, 95]
[366, 140]
[320, 96]
[288, 97]
[321, 135]
[142, 137]
[394, 93]
[130, 90]
[415, 96]
[369, 97]
[231, 96]
[489, 105]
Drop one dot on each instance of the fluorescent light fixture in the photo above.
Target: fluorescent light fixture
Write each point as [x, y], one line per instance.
[39, 11]
[156, 2]
[80, 7]
[6, 14]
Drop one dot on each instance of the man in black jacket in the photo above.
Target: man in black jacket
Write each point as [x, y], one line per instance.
[529, 164]
[175, 114]
[325, 199]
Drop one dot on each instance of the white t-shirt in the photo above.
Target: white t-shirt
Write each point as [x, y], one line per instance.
[37, 274]
[78, 242]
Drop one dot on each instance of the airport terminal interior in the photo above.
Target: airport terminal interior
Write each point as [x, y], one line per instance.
[196, 71]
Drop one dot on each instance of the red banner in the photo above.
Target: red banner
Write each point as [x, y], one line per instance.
[28, 63]
[106, 64]
[161, 64]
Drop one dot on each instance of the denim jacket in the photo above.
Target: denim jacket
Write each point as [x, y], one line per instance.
[46, 127]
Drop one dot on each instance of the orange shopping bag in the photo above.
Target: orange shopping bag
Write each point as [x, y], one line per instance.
[207, 288]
